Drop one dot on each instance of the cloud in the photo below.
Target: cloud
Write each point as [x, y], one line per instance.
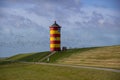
[101, 21]
[31, 16]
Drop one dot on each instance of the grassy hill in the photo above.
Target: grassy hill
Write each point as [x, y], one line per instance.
[96, 56]
[35, 57]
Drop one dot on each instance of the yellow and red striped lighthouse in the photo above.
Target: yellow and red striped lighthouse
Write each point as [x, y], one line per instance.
[55, 43]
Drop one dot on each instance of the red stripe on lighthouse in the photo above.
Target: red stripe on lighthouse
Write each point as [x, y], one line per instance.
[53, 28]
[54, 35]
[55, 49]
[54, 42]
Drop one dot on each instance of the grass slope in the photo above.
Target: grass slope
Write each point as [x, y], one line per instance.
[30, 57]
[65, 54]
[42, 72]
[102, 57]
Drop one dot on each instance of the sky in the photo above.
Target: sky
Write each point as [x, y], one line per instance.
[24, 24]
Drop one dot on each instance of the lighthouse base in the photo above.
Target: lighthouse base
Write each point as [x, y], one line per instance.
[55, 49]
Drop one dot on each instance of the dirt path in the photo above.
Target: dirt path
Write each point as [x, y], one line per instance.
[63, 65]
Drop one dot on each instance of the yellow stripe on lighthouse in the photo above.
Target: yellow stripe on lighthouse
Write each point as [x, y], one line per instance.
[54, 32]
[54, 45]
[54, 38]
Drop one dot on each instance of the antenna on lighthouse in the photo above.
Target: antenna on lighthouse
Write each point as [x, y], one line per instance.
[55, 22]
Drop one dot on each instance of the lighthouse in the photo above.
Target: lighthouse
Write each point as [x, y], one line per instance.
[55, 33]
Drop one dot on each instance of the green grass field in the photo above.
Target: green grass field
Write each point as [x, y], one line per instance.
[20, 71]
